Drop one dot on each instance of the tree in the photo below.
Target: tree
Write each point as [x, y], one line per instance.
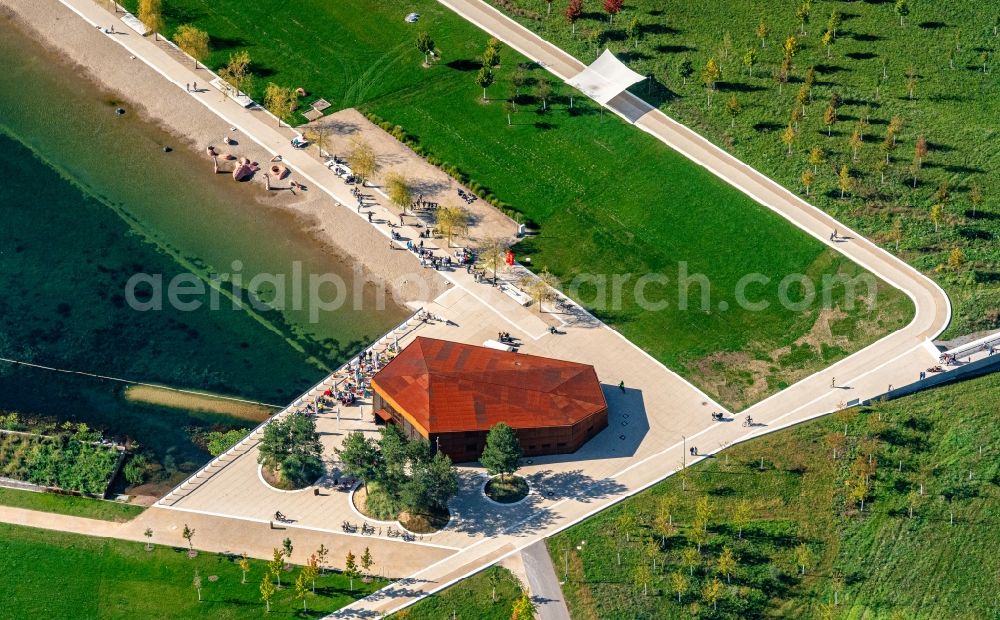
[321, 554]
[975, 197]
[188, 535]
[360, 458]
[491, 55]
[802, 13]
[834, 23]
[544, 91]
[685, 70]
[196, 583]
[286, 547]
[678, 583]
[741, 516]
[690, 559]
[788, 137]
[790, 47]
[827, 42]
[612, 8]
[808, 176]
[710, 75]
[291, 449]
[237, 71]
[816, 157]
[540, 287]
[712, 591]
[726, 563]
[366, 564]
[362, 159]
[351, 568]
[318, 134]
[193, 42]
[267, 590]
[425, 44]
[149, 538]
[280, 101]
[632, 31]
[502, 453]
[625, 523]
[302, 589]
[781, 74]
[896, 233]
[856, 143]
[573, 12]
[911, 80]
[761, 31]
[452, 221]
[895, 127]
[844, 180]
[829, 118]
[937, 210]
[491, 255]
[733, 108]
[244, 567]
[524, 608]
[150, 13]
[643, 576]
[485, 79]
[750, 59]
[902, 9]
[496, 578]
[276, 564]
[432, 483]
[398, 188]
[803, 557]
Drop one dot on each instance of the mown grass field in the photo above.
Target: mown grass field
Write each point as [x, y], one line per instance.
[69, 505]
[58, 575]
[955, 105]
[469, 599]
[607, 198]
[879, 562]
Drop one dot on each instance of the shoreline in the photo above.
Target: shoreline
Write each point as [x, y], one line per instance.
[346, 239]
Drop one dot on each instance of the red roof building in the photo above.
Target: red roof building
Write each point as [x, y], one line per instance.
[451, 394]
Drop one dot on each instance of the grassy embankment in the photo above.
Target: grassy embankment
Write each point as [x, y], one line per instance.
[934, 453]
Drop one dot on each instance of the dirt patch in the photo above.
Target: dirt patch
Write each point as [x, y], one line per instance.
[165, 397]
[272, 479]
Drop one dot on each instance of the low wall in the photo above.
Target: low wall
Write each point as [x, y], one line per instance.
[977, 368]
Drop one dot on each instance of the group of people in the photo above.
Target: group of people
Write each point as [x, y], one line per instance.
[468, 197]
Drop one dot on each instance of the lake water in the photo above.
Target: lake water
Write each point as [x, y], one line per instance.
[87, 200]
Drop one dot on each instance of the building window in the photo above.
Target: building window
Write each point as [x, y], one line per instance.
[546, 445]
[561, 444]
[470, 447]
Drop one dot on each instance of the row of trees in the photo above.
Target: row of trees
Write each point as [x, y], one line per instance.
[399, 474]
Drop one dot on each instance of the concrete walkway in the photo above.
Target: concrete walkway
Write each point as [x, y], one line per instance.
[543, 582]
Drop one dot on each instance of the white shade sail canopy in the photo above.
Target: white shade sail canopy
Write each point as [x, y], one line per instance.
[605, 78]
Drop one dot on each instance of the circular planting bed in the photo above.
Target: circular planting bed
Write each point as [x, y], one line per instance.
[272, 479]
[506, 490]
[415, 523]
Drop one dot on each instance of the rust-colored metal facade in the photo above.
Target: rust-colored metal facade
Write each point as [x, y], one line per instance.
[452, 394]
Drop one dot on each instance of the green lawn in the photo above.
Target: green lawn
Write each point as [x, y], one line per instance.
[469, 599]
[607, 198]
[69, 505]
[56, 575]
[956, 109]
[883, 562]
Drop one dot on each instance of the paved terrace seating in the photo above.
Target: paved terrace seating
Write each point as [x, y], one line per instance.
[358, 369]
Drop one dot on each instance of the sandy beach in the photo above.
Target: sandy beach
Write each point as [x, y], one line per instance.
[347, 237]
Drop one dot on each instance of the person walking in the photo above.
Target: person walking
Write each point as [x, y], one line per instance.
[833, 381]
[621, 386]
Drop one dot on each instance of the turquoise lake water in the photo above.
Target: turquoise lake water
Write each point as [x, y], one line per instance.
[87, 200]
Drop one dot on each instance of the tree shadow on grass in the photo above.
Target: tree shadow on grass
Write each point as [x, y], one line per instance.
[464, 64]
